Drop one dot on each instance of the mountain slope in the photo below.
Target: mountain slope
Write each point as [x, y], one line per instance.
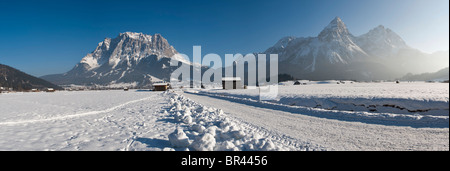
[131, 58]
[20, 81]
[381, 42]
[336, 54]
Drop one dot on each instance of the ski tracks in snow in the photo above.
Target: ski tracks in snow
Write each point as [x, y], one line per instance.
[73, 115]
[131, 125]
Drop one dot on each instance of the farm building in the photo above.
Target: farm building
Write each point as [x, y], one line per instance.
[50, 90]
[161, 86]
[229, 83]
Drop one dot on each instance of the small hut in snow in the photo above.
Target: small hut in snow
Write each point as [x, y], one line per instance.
[229, 83]
[50, 90]
[161, 86]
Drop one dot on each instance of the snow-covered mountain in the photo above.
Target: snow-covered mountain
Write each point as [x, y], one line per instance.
[337, 54]
[381, 42]
[334, 45]
[135, 59]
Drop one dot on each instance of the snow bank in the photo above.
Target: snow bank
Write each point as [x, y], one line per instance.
[203, 128]
[415, 120]
[428, 99]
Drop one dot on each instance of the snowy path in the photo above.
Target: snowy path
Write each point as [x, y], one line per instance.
[329, 133]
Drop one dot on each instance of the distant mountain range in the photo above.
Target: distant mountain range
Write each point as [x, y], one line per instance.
[20, 81]
[136, 59]
[335, 53]
[131, 59]
[441, 75]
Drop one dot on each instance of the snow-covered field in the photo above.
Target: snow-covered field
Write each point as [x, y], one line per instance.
[319, 116]
[91, 120]
[415, 100]
[118, 120]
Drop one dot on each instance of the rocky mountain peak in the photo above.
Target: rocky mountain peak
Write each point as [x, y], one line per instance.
[381, 42]
[131, 58]
[335, 30]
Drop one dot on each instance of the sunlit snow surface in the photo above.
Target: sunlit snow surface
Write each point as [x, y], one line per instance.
[417, 98]
[133, 120]
[144, 120]
[91, 120]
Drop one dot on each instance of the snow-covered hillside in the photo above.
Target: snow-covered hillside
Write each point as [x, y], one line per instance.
[20, 81]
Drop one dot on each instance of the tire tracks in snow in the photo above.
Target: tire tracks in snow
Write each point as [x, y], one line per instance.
[387, 119]
[332, 134]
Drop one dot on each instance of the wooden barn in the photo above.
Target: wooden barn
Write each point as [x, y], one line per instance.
[229, 83]
[50, 90]
[161, 86]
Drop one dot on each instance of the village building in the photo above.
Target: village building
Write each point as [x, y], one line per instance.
[161, 86]
[229, 83]
[50, 90]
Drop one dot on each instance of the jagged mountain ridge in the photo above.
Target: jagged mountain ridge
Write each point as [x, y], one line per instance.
[335, 53]
[131, 58]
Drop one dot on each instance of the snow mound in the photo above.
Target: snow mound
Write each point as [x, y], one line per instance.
[207, 142]
[211, 130]
[179, 139]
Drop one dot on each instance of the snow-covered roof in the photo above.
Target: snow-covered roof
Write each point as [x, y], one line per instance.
[231, 79]
[160, 84]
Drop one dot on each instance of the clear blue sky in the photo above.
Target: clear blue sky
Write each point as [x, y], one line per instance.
[46, 37]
